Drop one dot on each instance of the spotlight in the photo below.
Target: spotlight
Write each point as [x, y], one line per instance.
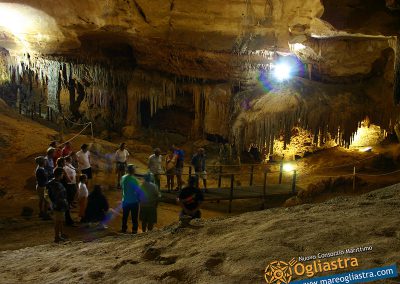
[288, 167]
[282, 72]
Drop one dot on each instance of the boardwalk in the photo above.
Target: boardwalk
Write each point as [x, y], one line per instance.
[225, 194]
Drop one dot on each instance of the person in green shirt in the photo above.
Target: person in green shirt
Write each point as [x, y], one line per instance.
[131, 192]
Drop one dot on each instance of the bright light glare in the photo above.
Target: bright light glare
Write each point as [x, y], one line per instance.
[366, 149]
[13, 20]
[282, 72]
[288, 167]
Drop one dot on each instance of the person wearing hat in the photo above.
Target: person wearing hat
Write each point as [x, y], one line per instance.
[130, 199]
[41, 182]
[149, 202]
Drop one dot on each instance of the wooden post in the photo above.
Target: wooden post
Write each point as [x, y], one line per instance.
[294, 182]
[251, 175]
[51, 114]
[280, 172]
[40, 110]
[48, 113]
[354, 178]
[231, 194]
[20, 108]
[190, 171]
[32, 110]
[219, 177]
[265, 189]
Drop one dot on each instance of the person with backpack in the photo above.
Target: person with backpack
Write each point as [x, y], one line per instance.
[180, 158]
[58, 197]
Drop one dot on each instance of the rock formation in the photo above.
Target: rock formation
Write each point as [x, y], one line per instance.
[119, 62]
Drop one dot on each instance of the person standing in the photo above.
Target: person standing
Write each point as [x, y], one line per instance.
[121, 158]
[83, 157]
[57, 151]
[71, 185]
[58, 197]
[190, 199]
[170, 162]
[148, 203]
[130, 199]
[83, 194]
[41, 182]
[49, 163]
[199, 164]
[180, 158]
[67, 149]
[66, 183]
[155, 166]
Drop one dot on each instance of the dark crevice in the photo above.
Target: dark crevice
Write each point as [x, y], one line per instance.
[140, 10]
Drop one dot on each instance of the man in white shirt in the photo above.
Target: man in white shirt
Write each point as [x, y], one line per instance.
[121, 158]
[83, 157]
[155, 165]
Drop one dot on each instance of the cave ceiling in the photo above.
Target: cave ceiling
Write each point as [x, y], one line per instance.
[212, 40]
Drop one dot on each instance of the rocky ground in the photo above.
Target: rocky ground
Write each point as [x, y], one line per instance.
[226, 250]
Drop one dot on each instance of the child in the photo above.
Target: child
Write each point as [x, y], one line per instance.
[83, 194]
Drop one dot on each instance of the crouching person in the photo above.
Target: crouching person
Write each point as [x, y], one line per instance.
[97, 207]
[58, 196]
[149, 202]
[190, 199]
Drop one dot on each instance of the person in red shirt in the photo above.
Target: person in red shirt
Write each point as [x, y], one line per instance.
[57, 151]
[67, 150]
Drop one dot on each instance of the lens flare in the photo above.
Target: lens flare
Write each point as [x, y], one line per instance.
[282, 72]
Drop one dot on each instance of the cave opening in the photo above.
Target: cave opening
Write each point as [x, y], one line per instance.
[145, 113]
[177, 118]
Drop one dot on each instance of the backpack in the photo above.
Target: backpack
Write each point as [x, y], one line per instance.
[57, 199]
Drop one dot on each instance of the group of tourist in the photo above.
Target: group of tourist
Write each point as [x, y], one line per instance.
[63, 178]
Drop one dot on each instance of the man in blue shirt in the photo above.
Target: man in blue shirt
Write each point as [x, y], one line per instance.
[130, 199]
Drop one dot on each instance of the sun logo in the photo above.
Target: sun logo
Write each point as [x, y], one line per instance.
[279, 272]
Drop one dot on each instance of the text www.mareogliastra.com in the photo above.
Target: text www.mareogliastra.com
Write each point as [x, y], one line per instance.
[361, 276]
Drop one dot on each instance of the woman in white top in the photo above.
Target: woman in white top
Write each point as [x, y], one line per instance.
[121, 158]
[83, 194]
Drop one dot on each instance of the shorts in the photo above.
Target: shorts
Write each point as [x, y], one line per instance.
[201, 175]
[88, 173]
[121, 167]
[59, 216]
[41, 192]
[179, 171]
